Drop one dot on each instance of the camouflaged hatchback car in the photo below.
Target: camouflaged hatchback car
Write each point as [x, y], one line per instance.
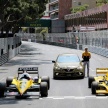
[68, 65]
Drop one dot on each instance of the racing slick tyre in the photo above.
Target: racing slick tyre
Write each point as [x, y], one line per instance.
[54, 77]
[9, 81]
[90, 80]
[44, 89]
[82, 77]
[94, 87]
[2, 89]
[46, 79]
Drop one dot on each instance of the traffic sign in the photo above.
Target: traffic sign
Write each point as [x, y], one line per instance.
[36, 23]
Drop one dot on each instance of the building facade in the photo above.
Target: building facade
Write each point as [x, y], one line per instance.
[91, 3]
[47, 10]
[91, 19]
[59, 8]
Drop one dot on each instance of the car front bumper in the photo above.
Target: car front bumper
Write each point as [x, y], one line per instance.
[101, 92]
[23, 95]
[68, 74]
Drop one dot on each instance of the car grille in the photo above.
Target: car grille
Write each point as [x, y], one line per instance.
[68, 70]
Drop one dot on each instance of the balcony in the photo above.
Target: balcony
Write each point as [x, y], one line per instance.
[53, 8]
[53, 2]
[54, 15]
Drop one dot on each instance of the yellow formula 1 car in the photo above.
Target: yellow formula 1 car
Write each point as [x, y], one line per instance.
[25, 85]
[99, 84]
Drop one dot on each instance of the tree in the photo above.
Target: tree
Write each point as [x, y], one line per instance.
[24, 29]
[15, 11]
[39, 29]
[101, 2]
[45, 30]
[79, 8]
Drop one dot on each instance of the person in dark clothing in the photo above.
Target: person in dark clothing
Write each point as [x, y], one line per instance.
[86, 56]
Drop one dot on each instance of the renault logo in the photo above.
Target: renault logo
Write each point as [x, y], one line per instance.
[68, 70]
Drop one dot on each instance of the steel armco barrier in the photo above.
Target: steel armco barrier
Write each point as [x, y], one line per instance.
[96, 41]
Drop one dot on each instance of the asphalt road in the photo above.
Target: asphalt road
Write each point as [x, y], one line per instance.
[63, 93]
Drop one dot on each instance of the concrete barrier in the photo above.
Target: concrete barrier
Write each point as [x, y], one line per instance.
[9, 48]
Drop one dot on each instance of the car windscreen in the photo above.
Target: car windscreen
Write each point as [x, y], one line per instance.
[68, 59]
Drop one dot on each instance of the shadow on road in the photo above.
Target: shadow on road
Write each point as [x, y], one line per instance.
[4, 101]
[27, 48]
[21, 54]
[25, 62]
[3, 69]
[13, 100]
[3, 72]
[26, 52]
[42, 60]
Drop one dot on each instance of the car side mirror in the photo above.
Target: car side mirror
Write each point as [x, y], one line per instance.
[53, 61]
[101, 81]
[82, 60]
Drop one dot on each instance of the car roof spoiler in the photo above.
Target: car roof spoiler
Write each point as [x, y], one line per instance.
[30, 70]
[101, 70]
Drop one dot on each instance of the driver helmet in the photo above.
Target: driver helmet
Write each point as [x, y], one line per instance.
[35, 79]
[26, 76]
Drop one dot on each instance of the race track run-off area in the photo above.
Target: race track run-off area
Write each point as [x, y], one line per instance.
[63, 93]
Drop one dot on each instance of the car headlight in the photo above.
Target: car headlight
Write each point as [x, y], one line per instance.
[80, 68]
[57, 68]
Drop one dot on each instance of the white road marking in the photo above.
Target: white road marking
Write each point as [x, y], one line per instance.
[90, 97]
[76, 97]
[50, 97]
[58, 98]
[80, 97]
[102, 97]
[69, 97]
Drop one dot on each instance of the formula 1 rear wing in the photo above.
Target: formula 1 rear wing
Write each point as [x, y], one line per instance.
[30, 70]
[101, 70]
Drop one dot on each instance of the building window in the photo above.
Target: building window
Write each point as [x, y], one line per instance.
[79, 3]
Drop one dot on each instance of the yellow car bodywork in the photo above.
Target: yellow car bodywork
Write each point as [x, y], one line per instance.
[103, 89]
[102, 71]
[23, 85]
[102, 81]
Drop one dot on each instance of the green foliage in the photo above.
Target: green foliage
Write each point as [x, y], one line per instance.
[44, 30]
[79, 8]
[43, 33]
[39, 29]
[101, 2]
[24, 29]
[15, 11]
